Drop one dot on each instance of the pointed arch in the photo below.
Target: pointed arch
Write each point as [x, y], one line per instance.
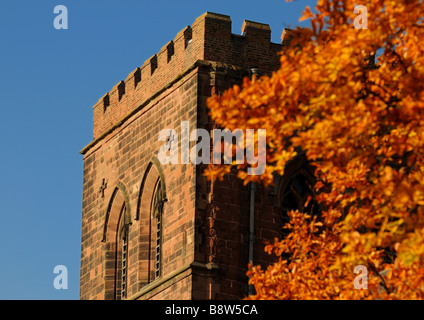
[153, 172]
[150, 208]
[294, 188]
[119, 195]
[115, 239]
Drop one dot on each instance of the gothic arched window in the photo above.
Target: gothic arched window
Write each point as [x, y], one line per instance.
[122, 256]
[157, 227]
[295, 188]
[150, 214]
[116, 239]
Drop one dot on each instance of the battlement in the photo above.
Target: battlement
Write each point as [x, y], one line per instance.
[209, 38]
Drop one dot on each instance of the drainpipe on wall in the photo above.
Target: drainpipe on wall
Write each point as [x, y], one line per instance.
[253, 71]
[251, 227]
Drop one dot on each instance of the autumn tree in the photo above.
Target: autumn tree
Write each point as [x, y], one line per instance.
[353, 100]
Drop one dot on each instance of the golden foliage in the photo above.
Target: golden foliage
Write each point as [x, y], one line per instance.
[361, 125]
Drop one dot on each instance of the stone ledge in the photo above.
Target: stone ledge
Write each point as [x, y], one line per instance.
[167, 281]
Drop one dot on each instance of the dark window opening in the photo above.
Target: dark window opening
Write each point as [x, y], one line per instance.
[295, 195]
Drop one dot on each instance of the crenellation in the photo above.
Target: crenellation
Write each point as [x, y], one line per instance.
[183, 37]
[146, 73]
[208, 38]
[286, 36]
[260, 33]
[165, 54]
[136, 74]
[106, 101]
[121, 89]
[151, 64]
[114, 102]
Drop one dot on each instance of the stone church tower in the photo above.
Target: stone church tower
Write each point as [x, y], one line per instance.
[154, 231]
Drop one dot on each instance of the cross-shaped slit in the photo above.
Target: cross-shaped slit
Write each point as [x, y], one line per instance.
[103, 187]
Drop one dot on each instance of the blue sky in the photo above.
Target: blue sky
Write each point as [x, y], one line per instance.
[49, 81]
